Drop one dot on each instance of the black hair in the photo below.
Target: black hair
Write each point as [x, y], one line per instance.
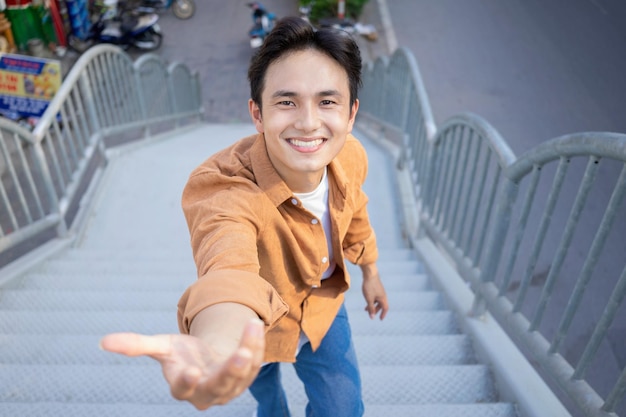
[292, 34]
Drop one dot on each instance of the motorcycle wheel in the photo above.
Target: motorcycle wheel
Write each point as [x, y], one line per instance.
[183, 9]
[149, 40]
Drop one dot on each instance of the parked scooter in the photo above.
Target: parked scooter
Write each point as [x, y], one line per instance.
[182, 9]
[126, 28]
[263, 21]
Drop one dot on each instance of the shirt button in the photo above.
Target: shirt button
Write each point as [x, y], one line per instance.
[324, 260]
[294, 201]
[314, 221]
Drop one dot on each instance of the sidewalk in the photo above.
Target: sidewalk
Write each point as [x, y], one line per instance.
[374, 13]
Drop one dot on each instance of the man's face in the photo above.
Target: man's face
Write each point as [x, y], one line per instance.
[305, 116]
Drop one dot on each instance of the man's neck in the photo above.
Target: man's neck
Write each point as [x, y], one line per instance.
[304, 183]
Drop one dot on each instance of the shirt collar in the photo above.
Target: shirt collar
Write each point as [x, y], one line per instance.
[265, 174]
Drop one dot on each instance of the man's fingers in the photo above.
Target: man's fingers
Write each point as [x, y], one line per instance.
[239, 364]
[373, 307]
[133, 344]
[242, 367]
[239, 370]
[384, 309]
[253, 339]
[184, 386]
[377, 306]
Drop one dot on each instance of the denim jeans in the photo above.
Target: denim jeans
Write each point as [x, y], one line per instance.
[330, 376]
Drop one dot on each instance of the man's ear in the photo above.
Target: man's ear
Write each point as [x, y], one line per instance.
[255, 114]
[353, 111]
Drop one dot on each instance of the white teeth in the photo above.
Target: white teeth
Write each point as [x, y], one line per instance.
[306, 144]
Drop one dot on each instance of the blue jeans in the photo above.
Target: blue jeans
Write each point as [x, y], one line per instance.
[330, 376]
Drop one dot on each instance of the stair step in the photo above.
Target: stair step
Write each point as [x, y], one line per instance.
[145, 384]
[170, 282]
[99, 267]
[390, 267]
[84, 300]
[168, 267]
[185, 255]
[102, 282]
[371, 350]
[442, 410]
[398, 385]
[54, 409]
[411, 350]
[154, 322]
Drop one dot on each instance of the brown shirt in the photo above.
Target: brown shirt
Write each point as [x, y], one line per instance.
[255, 244]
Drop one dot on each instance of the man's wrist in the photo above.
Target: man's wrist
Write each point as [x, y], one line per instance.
[369, 270]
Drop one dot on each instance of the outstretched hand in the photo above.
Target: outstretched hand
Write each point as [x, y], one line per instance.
[194, 369]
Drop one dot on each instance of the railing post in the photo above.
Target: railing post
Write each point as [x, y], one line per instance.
[433, 166]
[198, 92]
[508, 195]
[53, 199]
[142, 99]
[404, 119]
[90, 104]
[172, 94]
[495, 241]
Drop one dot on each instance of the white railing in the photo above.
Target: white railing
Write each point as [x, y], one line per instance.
[45, 172]
[533, 262]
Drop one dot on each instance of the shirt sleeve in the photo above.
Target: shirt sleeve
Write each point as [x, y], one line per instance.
[230, 286]
[360, 241]
[224, 223]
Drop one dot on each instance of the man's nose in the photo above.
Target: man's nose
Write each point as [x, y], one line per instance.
[308, 118]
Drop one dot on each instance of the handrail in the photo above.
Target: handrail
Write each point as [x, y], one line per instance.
[46, 171]
[466, 183]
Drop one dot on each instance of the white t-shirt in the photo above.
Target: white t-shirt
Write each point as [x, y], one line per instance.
[316, 202]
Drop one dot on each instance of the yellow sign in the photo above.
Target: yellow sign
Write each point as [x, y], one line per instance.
[27, 84]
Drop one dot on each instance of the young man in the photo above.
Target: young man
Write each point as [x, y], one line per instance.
[273, 219]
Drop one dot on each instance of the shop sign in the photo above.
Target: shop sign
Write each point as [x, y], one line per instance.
[27, 84]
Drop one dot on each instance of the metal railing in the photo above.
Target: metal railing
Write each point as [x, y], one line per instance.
[45, 172]
[527, 259]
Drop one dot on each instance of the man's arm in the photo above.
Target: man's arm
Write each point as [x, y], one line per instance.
[212, 365]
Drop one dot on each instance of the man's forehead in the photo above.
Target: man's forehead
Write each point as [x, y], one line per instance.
[310, 58]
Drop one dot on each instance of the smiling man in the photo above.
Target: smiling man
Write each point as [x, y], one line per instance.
[273, 220]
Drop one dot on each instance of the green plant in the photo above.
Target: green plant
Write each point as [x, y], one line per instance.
[324, 9]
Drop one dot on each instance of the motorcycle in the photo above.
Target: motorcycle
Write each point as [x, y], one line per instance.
[182, 9]
[263, 21]
[127, 28]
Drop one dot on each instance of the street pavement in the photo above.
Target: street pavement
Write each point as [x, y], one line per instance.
[215, 43]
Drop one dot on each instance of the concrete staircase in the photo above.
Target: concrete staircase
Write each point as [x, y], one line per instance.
[131, 262]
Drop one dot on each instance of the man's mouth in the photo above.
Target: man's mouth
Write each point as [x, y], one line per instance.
[307, 144]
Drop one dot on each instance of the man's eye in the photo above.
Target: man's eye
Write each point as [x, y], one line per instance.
[327, 102]
[285, 103]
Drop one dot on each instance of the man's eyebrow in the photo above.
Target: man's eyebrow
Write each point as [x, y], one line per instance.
[327, 93]
[284, 93]
[287, 93]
